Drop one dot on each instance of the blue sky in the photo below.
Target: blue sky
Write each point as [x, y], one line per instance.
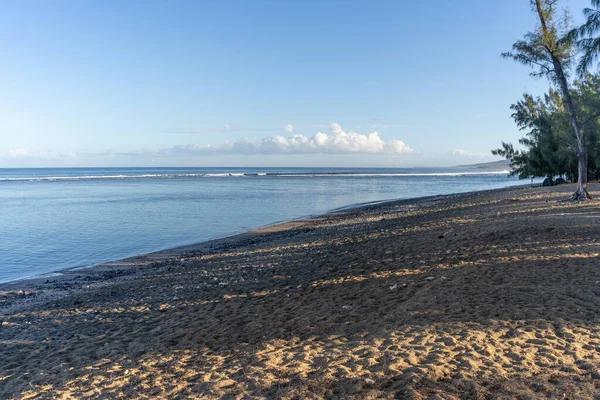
[204, 83]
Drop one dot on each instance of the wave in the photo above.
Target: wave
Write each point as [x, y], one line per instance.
[393, 174]
[255, 174]
[91, 177]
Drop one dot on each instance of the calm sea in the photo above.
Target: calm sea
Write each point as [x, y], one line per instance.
[52, 219]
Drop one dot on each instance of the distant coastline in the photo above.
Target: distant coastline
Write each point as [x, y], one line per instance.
[501, 164]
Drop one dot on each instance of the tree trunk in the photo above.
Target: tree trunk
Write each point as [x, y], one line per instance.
[581, 191]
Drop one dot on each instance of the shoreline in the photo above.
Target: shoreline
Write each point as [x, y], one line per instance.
[25, 293]
[170, 252]
[350, 208]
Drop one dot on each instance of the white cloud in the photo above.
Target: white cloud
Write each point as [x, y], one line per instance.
[22, 152]
[336, 141]
[467, 154]
[289, 128]
[25, 153]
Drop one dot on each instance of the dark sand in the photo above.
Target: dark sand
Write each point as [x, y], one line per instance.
[483, 295]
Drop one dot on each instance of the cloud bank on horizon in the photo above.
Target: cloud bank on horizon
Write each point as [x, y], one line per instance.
[337, 141]
[468, 154]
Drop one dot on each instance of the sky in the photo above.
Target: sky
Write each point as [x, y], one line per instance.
[331, 83]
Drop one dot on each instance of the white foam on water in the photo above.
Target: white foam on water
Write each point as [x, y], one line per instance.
[240, 175]
[92, 177]
[505, 172]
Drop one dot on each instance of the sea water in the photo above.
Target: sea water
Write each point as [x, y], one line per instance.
[52, 219]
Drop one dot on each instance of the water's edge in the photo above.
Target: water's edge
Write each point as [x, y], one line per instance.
[173, 251]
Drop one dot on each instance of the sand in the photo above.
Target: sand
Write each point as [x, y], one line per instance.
[484, 295]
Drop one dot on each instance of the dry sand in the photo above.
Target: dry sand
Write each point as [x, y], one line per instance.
[484, 295]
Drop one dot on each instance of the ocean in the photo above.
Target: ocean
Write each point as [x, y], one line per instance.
[57, 218]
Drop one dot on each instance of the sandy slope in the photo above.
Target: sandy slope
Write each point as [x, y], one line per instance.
[489, 295]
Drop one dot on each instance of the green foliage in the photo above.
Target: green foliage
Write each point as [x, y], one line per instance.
[583, 37]
[586, 96]
[549, 145]
[538, 47]
[555, 143]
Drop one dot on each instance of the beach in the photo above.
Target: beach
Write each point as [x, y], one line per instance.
[492, 294]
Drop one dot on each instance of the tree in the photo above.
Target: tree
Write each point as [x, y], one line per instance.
[586, 96]
[548, 140]
[548, 50]
[547, 126]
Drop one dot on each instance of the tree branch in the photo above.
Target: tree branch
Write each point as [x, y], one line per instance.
[596, 115]
[542, 66]
[569, 145]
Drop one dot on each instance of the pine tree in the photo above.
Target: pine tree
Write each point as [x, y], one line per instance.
[548, 50]
[549, 140]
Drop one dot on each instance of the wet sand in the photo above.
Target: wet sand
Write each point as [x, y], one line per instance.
[482, 295]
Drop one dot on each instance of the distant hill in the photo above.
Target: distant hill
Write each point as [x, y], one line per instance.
[501, 164]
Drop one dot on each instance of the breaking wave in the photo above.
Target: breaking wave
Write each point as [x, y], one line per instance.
[250, 175]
